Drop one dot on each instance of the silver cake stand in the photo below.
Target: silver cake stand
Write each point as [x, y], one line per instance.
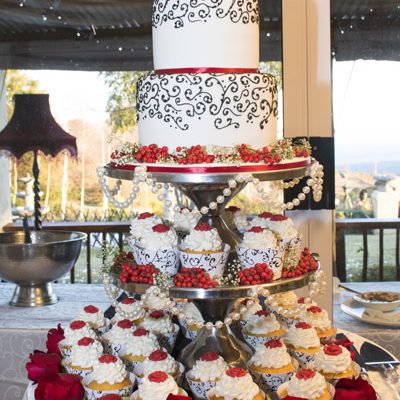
[215, 303]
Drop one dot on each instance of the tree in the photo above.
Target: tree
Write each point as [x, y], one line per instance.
[121, 103]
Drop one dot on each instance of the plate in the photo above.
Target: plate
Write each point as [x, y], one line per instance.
[356, 310]
[378, 305]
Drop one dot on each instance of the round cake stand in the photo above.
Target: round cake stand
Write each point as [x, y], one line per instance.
[202, 188]
[214, 304]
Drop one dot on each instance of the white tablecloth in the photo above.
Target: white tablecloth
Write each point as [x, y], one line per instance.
[23, 330]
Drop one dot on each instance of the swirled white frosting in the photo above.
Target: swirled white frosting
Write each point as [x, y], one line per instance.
[159, 240]
[169, 365]
[318, 320]
[266, 357]
[262, 324]
[85, 356]
[192, 312]
[259, 240]
[140, 226]
[141, 345]
[72, 336]
[158, 325]
[240, 220]
[95, 320]
[152, 300]
[310, 389]
[202, 241]
[242, 388]
[285, 299]
[250, 311]
[283, 229]
[118, 335]
[206, 371]
[259, 221]
[185, 220]
[135, 309]
[299, 337]
[111, 373]
[157, 391]
[333, 363]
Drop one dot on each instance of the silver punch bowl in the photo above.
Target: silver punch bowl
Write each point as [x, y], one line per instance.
[33, 267]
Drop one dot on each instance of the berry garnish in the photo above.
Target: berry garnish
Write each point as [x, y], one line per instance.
[108, 359]
[273, 344]
[128, 300]
[125, 324]
[91, 309]
[140, 332]
[156, 314]
[256, 229]
[245, 301]
[158, 376]
[236, 372]
[307, 263]
[305, 374]
[232, 209]
[138, 273]
[194, 277]
[301, 300]
[332, 350]
[265, 214]
[85, 341]
[160, 228]
[263, 313]
[303, 325]
[278, 217]
[203, 227]
[260, 273]
[314, 309]
[158, 355]
[74, 325]
[209, 356]
[145, 215]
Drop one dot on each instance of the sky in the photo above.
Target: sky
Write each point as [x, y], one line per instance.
[366, 106]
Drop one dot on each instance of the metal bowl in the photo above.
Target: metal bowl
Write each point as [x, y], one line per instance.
[33, 266]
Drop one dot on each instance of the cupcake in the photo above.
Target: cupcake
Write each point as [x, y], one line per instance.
[280, 302]
[319, 319]
[84, 356]
[192, 313]
[186, 219]
[143, 223]
[247, 308]
[158, 246]
[235, 384]
[236, 218]
[306, 384]
[129, 306]
[303, 343]
[157, 386]
[138, 347]
[109, 377]
[262, 220]
[155, 299]
[271, 365]
[334, 362]
[94, 317]
[72, 333]
[262, 326]
[259, 245]
[206, 371]
[203, 248]
[119, 334]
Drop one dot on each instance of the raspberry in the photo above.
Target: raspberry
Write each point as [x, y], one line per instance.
[157, 376]
[91, 309]
[140, 332]
[305, 374]
[75, 325]
[209, 356]
[85, 341]
[108, 359]
[273, 344]
[236, 372]
[158, 355]
[332, 350]
[160, 228]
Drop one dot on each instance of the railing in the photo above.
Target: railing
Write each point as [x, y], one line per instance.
[365, 227]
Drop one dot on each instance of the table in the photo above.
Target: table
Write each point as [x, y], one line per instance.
[23, 330]
[389, 338]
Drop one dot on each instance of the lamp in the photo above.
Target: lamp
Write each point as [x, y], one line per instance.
[33, 128]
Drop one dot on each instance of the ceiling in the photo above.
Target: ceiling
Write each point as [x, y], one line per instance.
[116, 34]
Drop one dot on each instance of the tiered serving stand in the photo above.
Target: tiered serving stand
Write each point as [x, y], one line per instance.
[202, 186]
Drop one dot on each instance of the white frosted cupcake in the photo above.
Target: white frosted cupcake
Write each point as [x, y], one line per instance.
[303, 343]
[258, 238]
[143, 223]
[155, 299]
[132, 307]
[247, 308]
[186, 219]
[119, 334]
[236, 218]
[319, 319]
[262, 326]
[306, 384]
[271, 365]
[94, 317]
[157, 386]
[75, 331]
[84, 356]
[192, 313]
[203, 238]
[283, 301]
[109, 376]
[206, 371]
[235, 383]
[160, 360]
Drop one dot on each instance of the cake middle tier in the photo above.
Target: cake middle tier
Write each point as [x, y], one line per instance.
[207, 109]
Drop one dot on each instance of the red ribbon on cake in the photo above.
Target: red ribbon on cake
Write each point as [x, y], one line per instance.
[202, 70]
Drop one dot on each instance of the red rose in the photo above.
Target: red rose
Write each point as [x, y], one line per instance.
[314, 309]
[177, 397]
[236, 372]
[158, 355]
[85, 341]
[140, 332]
[75, 325]
[54, 336]
[125, 324]
[354, 389]
[60, 387]
[145, 215]
[108, 359]
[263, 313]
[273, 344]
[278, 217]
[232, 209]
[332, 350]
[160, 228]
[293, 398]
[42, 364]
[303, 325]
[158, 376]
[305, 374]
[157, 314]
[203, 227]
[266, 215]
[112, 396]
[209, 356]
[91, 309]
[256, 229]
[128, 300]
[346, 343]
[301, 300]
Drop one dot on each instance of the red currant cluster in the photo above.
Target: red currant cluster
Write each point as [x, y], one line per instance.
[151, 153]
[138, 273]
[307, 263]
[122, 258]
[247, 154]
[194, 277]
[193, 155]
[260, 273]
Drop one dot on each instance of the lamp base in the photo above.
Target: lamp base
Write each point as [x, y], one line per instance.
[33, 296]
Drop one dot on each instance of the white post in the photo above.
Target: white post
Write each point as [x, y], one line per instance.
[307, 106]
[5, 196]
